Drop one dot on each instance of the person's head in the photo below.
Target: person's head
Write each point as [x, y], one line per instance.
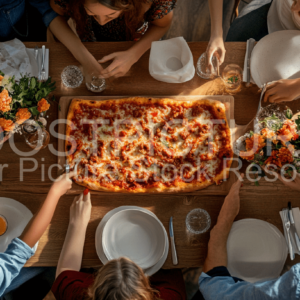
[104, 11]
[121, 279]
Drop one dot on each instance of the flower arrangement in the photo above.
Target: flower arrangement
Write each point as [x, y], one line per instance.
[21, 100]
[276, 145]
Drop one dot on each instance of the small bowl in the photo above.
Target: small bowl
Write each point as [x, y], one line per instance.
[6, 223]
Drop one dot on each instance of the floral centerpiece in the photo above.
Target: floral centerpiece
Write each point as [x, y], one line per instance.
[22, 100]
[276, 145]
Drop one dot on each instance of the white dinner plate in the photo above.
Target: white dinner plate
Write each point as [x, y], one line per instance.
[256, 250]
[276, 56]
[17, 216]
[98, 239]
[134, 234]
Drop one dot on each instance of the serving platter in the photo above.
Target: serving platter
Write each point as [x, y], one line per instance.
[228, 100]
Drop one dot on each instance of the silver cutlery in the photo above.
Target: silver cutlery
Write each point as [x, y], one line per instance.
[250, 46]
[36, 57]
[287, 225]
[293, 227]
[43, 71]
[173, 249]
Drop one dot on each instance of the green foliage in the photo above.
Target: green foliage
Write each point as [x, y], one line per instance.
[272, 122]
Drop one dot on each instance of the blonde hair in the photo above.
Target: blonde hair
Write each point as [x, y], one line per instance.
[121, 279]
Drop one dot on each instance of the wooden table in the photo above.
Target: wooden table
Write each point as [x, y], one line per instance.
[261, 202]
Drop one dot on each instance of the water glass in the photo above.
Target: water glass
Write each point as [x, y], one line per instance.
[35, 137]
[202, 67]
[71, 77]
[198, 221]
[232, 76]
[95, 83]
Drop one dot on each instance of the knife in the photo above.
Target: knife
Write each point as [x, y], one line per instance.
[36, 57]
[250, 46]
[174, 254]
[287, 225]
[293, 227]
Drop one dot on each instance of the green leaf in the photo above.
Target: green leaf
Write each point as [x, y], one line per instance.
[251, 133]
[59, 108]
[34, 111]
[32, 82]
[298, 122]
[289, 113]
[53, 98]
[1, 73]
[256, 183]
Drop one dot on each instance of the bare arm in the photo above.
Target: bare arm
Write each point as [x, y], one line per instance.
[71, 253]
[40, 221]
[122, 61]
[217, 246]
[216, 43]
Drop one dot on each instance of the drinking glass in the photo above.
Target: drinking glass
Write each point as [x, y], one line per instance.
[71, 77]
[202, 67]
[232, 78]
[198, 221]
[95, 83]
[35, 137]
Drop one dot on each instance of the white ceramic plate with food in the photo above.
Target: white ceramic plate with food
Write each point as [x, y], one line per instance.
[134, 234]
[98, 239]
[256, 250]
[276, 56]
[17, 216]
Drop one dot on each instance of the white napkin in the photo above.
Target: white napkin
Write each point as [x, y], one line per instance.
[15, 59]
[171, 61]
[245, 67]
[296, 214]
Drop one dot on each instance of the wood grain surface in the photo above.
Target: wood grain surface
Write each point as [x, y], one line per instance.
[262, 202]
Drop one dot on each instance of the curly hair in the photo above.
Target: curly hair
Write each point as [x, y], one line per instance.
[121, 279]
[132, 10]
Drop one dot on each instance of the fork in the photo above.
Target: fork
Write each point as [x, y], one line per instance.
[287, 225]
[43, 71]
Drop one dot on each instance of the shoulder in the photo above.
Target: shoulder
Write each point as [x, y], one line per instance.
[72, 284]
[160, 8]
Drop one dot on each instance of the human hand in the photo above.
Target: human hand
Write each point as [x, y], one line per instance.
[215, 47]
[90, 67]
[295, 184]
[80, 211]
[62, 184]
[232, 200]
[122, 62]
[282, 90]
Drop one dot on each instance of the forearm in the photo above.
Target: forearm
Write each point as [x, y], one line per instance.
[154, 33]
[217, 246]
[216, 16]
[62, 31]
[71, 254]
[40, 221]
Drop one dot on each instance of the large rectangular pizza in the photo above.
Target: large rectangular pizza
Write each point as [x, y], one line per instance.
[148, 145]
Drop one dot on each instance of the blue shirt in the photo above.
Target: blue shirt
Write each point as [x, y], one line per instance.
[286, 287]
[12, 10]
[12, 261]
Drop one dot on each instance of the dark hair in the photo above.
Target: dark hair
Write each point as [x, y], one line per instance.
[132, 10]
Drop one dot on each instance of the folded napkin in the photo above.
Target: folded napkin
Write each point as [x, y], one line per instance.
[245, 66]
[171, 61]
[296, 214]
[15, 59]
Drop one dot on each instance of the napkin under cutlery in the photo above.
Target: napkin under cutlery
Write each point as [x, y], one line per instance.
[296, 214]
[249, 49]
[15, 59]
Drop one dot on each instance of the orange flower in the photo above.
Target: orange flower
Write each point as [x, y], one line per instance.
[1, 77]
[280, 157]
[287, 132]
[43, 105]
[5, 101]
[6, 125]
[22, 115]
[253, 146]
[267, 133]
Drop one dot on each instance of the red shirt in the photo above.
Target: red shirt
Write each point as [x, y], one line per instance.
[72, 285]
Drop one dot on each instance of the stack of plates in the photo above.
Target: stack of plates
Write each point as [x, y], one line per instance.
[256, 250]
[133, 232]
